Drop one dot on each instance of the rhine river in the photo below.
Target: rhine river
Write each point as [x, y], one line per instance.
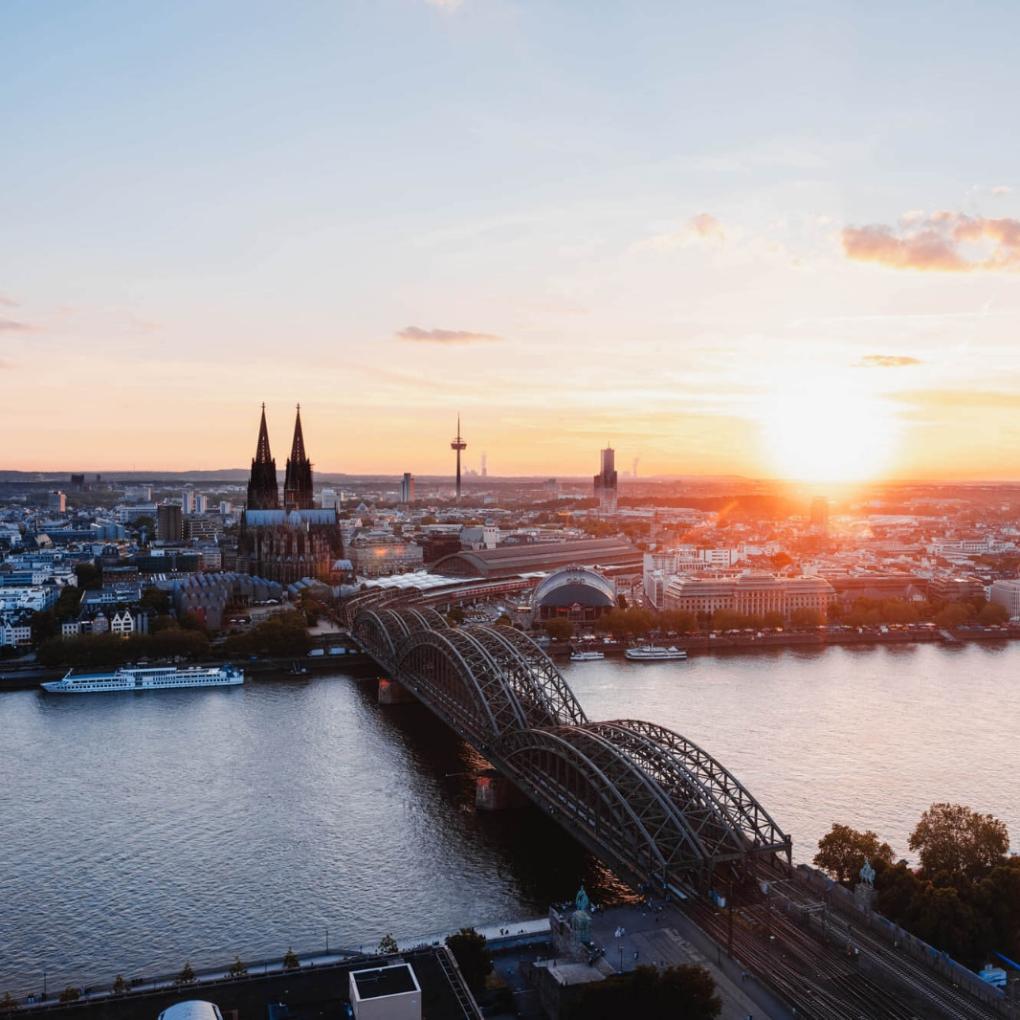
[140, 831]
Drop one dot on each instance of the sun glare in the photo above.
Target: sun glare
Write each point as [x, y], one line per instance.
[827, 431]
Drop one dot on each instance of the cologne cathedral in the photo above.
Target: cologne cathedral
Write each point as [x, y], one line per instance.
[294, 540]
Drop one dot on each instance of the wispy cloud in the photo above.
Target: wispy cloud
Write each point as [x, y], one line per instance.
[13, 326]
[445, 5]
[940, 241]
[701, 228]
[445, 336]
[8, 302]
[1002, 189]
[887, 361]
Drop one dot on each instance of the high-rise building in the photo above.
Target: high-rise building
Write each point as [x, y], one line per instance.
[188, 501]
[263, 489]
[485, 465]
[458, 444]
[605, 482]
[820, 513]
[407, 488]
[327, 499]
[169, 523]
[297, 482]
[57, 501]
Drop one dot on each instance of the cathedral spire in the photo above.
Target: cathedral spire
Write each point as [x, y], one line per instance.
[297, 484]
[263, 492]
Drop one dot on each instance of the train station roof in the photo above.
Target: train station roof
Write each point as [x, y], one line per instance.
[509, 560]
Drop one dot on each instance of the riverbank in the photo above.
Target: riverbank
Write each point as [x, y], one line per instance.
[702, 643]
[27, 678]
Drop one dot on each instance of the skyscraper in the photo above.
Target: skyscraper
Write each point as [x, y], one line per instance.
[407, 487]
[297, 482]
[458, 444]
[263, 490]
[605, 482]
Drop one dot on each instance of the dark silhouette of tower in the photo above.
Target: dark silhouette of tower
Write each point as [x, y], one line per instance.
[263, 492]
[458, 444]
[297, 482]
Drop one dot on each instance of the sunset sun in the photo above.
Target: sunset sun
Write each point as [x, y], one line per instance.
[827, 431]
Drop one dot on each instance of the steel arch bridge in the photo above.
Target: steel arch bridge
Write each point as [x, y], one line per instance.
[652, 804]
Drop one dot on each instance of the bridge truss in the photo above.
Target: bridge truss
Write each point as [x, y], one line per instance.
[655, 806]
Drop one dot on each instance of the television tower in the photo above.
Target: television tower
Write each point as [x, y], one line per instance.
[458, 444]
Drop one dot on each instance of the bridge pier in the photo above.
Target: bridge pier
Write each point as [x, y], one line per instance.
[494, 792]
[393, 693]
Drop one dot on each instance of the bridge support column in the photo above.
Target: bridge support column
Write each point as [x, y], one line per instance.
[494, 792]
[392, 693]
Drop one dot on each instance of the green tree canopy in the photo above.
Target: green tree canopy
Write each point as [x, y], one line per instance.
[388, 945]
[677, 993]
[559, 628]
[472, 955]
[842, 852]
[956, 841]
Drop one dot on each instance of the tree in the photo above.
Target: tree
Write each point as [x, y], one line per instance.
[156, 600]
[805, 617]
[120, 986]
[70, 994]
[238, 969]
[559, 628]
[8, 1004]
[954, 841]
[290, 960]
[842, 852]
[773, 619]
[186, 976]
[992, 614]
[388, 945]
[472, 955]
[678, 993]
[954, 614]
[941, 918]
[89, 575]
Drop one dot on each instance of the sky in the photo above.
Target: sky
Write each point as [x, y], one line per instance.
[778, 240]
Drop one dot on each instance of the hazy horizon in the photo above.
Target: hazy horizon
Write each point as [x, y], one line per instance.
[773, 242]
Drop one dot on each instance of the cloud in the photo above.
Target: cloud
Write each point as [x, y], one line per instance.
[445, 5]
[8, 302]
[11, 326]
[701, 228]
[445, 336]
[887, 361]
[1002, 189]
[941, 241]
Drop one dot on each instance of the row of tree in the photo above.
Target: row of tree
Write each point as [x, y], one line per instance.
[100, 650]
[281, 635]
[964, 895]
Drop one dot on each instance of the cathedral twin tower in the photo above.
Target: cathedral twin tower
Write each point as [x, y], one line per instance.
[263, 489]
[294, 540]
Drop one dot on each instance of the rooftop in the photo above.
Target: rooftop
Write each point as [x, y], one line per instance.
[397, 979]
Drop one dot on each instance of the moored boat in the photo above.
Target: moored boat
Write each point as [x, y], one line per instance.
[586, 656]
[147, 678]
[653, 653]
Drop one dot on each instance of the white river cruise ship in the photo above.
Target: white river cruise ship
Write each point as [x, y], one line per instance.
[147, 678]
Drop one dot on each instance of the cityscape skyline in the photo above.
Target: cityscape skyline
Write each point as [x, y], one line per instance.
[703, 266]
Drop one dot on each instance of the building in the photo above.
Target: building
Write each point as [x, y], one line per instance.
[479, 537]
[957, 589]
[407, 488]
[1007, 594]
[263, 489]
[298, 493]
[379, 554]
[575, 593]
[605, 481]
[750, 594]
[510, 560]
[328, 500]
[169, 523]
[385, 993]
[297, 541]
[57, 501]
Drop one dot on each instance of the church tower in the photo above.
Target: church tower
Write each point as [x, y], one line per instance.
[297, 483]
[263, 492]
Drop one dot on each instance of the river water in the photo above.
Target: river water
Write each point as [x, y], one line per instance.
[140, 831]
